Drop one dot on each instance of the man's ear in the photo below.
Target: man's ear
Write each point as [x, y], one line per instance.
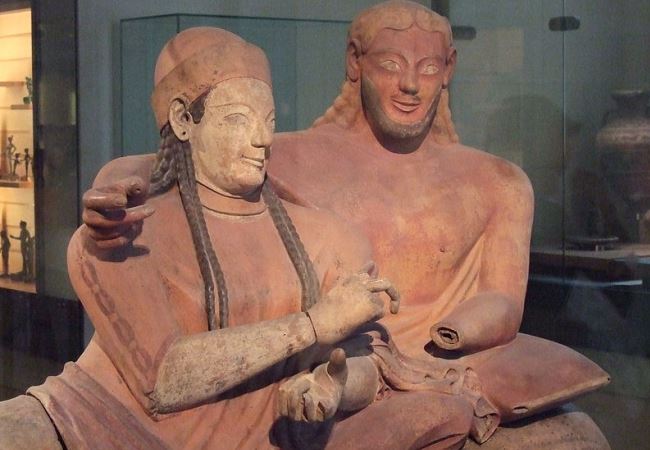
[180, 120]
[352, 57]
[451, 66]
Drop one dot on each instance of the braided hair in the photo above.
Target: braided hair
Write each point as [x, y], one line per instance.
[174, 165]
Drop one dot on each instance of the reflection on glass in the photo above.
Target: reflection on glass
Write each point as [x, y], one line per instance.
[572, 109]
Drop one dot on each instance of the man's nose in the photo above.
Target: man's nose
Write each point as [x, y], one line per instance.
[262, 136]
[409, 83]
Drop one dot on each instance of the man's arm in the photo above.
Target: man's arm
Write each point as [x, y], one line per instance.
[493, 315]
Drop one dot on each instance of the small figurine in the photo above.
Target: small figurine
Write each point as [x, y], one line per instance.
[30, 91]
[5, 245]
[16, 162]
[25, 249]
[27, 159]
[7, 155]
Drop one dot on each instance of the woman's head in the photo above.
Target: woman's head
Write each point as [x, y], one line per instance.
[213, 90]
[231, 141]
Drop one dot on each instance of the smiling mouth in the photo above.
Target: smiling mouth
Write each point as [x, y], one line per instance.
[256, 162]
[406, 106]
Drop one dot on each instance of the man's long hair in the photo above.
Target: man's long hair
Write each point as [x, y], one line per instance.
[395, 15]
[173, 166]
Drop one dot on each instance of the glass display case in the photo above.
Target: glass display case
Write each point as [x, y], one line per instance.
[560, 87]
[17, 236]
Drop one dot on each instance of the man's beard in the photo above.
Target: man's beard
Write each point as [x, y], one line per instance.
[378, 118]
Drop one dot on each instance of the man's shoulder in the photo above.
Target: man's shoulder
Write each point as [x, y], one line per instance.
[126, 166]
[485, 167]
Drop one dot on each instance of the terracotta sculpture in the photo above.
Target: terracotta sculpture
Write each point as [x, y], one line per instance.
[16, 163]
[27, 159]
[449, 224]
[215, 326]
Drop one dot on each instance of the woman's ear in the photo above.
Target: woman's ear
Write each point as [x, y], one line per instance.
[180, 120]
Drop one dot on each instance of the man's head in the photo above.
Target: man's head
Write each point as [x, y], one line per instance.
[399, 62]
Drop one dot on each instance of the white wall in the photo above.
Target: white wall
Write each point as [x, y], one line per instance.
[98, 22]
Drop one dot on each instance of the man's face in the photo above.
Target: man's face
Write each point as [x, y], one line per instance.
[231, 144]
[402, 73]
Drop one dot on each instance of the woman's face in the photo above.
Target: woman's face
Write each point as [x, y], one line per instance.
[232, 142]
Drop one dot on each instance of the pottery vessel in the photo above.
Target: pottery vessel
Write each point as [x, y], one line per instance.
[623, 144]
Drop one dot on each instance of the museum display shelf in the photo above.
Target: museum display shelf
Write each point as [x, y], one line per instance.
[17, 204]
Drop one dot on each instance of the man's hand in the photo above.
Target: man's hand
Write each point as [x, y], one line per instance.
[350, 304]
[315, 397]
[113, 214]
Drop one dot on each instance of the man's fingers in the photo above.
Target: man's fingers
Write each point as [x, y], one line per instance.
[131, 231]
[132, 186]
[126, 238]
[99, 200]
[111, 219]
[102, 234]
[122, 193]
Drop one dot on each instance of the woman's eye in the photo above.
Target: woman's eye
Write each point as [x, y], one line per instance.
[271, 123]
[390, 65]
[236, 119]
[429, 69]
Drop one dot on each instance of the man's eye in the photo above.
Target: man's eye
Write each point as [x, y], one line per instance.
[271, 123]
[430, 69]
[236, 119]
[390, 65]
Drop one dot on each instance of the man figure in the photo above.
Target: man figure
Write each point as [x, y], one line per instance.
[25, 239]
[450, 225]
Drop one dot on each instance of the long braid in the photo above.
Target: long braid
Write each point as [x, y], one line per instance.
[295, 248]
[202, 243]
[174, 164]
[163, 174]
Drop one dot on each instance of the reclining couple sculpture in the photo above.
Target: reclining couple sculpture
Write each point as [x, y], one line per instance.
[227, 317]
